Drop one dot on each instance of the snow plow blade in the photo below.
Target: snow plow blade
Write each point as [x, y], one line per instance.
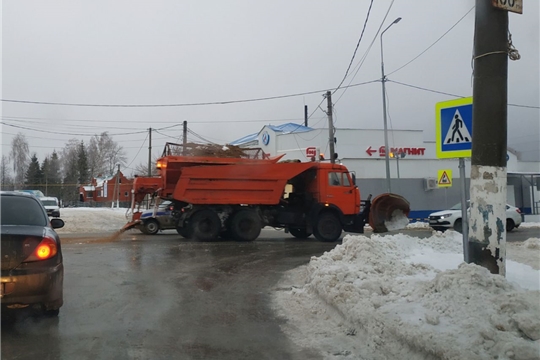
[389, 212]
[130, 225]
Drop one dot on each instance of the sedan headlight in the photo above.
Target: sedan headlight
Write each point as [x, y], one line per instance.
[444, 216]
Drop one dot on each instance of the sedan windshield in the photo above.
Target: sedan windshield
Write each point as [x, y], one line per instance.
[18, 210]
[458, 206]
[48, 202]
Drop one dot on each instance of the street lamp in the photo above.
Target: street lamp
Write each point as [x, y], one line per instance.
[386, 150]
[397, 156]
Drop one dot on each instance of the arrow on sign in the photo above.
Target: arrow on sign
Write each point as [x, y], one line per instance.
[370, 151]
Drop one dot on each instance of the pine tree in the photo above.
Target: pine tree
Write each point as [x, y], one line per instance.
[70, 188]
[51, 175]
[82, 164]
[34, 175]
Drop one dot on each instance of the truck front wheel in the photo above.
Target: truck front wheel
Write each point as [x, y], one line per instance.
[328, 227]
[205, 225]
[245, 225]
[186, 231]
[299, 233]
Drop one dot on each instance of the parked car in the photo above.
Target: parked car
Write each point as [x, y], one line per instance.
[451, 218]
[32, 267]
[162, 221]
[52, 206]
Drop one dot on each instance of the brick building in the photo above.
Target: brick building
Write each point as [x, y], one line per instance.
[102, 188]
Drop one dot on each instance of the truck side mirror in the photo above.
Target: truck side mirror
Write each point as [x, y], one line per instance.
[353, 175]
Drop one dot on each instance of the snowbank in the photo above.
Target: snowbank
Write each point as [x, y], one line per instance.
[408, 298]
[92, 220]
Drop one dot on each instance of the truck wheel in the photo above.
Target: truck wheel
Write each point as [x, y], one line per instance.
[299, 233]
[186, 231]
[245, 225]
[151, 227]
[328, 227]
[205, 225]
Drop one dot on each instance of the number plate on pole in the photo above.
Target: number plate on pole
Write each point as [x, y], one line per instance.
[509, 5]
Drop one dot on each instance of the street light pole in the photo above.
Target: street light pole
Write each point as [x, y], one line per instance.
[383, 80]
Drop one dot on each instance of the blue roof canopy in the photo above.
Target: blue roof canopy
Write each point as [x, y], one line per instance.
[284, 129]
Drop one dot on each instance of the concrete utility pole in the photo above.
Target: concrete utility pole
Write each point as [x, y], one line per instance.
[330, 126]
[385, 121]
[184, 139]
[487, 233]
[150, 152]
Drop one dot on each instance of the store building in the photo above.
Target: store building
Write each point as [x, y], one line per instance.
[415, 173]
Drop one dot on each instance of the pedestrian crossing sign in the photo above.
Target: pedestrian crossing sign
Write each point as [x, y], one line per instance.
[453, 128]
[444, 178]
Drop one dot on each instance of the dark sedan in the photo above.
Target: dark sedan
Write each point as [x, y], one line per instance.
[32, 268]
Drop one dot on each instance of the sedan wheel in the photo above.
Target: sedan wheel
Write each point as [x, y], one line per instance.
[510, 225]
[151, 226]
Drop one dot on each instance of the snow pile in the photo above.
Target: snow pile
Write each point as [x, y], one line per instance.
[411, 298]
[92, 220]
[397, 221]
[532, 243]
[418, 225]
[529, 225]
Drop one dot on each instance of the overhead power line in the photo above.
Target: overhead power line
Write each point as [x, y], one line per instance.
[357, 45]
[436, 41]
[180, 104]
[364, 57]
[454, 95]
[79, 134]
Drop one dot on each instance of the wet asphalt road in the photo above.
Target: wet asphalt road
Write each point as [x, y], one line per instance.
[164, 297]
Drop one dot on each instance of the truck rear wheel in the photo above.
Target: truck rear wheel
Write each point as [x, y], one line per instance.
[205, 225]
[245, 225]
[299, 233]
[328, 227]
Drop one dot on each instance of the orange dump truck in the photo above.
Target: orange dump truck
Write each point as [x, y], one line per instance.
[235, 197]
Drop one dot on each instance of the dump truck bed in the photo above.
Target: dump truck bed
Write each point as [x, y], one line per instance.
[250, 184]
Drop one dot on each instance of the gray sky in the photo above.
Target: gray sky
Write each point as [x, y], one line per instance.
[173, 52]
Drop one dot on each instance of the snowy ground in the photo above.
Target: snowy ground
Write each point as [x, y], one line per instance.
[398, 297]
[87, 220]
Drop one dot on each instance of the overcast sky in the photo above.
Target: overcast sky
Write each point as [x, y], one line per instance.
[181, 52]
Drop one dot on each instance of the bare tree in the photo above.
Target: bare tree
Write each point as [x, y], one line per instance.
[142, 168]
[20, 157]
[103, 155]
[6, 182]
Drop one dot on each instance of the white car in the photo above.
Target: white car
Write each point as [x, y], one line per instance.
[52, 206]
[451, 218]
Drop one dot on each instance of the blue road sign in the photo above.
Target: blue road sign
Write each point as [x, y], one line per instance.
[454, 128]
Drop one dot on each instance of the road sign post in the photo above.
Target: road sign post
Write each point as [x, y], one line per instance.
[453, 135]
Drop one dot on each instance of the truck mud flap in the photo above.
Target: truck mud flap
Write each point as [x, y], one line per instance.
[389, 212]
